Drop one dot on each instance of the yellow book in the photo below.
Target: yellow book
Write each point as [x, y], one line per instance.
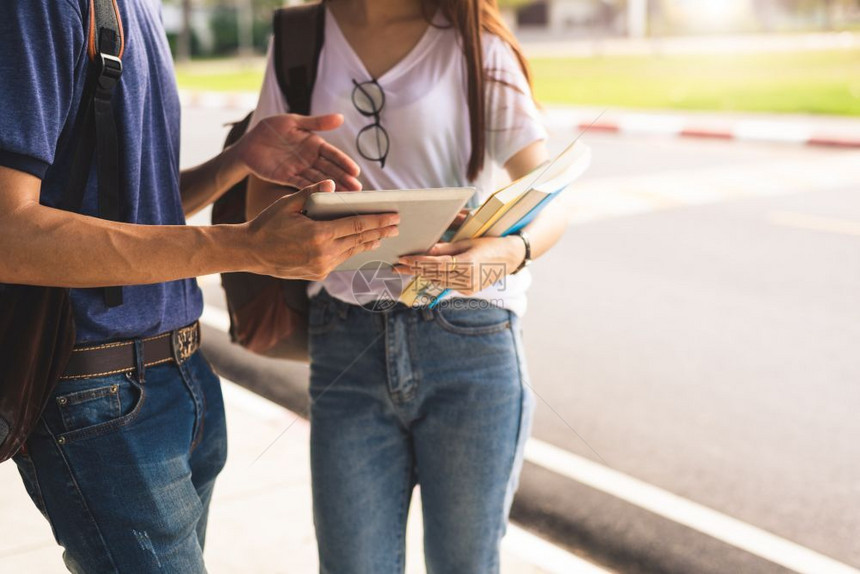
[493, 208]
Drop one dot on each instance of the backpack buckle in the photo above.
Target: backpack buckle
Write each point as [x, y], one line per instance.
[110, 70]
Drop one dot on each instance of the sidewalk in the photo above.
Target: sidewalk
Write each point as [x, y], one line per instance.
[261, 514]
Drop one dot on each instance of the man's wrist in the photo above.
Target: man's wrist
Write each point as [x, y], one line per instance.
[232, 248]
[232, 168]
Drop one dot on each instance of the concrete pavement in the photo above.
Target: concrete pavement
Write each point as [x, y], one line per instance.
[706, 348]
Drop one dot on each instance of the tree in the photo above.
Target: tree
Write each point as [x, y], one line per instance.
[183, 47]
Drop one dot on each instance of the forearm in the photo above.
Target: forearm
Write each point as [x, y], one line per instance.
[202, 185]
[45, 246]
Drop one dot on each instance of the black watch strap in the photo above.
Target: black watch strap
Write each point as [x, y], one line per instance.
[528, 257]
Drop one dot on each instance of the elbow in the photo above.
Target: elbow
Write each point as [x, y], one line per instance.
[15, 234]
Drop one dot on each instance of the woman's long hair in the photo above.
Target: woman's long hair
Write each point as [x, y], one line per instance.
[470, 18]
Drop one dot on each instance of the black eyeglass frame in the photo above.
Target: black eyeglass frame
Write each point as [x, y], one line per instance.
[374, 113]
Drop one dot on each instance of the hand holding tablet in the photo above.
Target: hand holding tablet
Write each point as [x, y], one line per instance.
[424, 216]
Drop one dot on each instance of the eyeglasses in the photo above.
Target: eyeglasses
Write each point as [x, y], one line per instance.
[372, 141]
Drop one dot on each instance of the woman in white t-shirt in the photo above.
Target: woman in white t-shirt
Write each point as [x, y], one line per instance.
[433, 94]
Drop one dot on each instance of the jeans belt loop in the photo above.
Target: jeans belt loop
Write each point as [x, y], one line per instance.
[140, 360]
[427, 313]
[342, 309]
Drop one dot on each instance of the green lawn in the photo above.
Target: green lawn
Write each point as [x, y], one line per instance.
[798, 82]
[190, 78]
[804, 82]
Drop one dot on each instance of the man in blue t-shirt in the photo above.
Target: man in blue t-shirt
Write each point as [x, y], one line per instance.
[124, 459]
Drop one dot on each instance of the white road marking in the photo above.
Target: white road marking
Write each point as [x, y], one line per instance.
[677, 509]
[814, 222]
[646, 124]
[545, 555]
[768, 131]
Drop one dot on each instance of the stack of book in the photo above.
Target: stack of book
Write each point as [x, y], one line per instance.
[510, 209]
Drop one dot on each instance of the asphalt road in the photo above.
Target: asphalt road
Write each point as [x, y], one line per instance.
[709, 349]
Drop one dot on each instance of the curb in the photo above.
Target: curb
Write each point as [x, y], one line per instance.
[751, 130]
[788, 131]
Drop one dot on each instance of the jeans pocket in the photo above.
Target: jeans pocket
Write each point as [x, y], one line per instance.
[100, 406]
[472, 321]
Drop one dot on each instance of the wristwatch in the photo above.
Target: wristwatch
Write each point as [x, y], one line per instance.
[527, 260]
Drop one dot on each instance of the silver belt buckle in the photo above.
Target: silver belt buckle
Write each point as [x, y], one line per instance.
[185, 342]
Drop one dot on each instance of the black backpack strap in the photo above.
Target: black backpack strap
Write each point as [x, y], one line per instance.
[299, 36]
[95, 124]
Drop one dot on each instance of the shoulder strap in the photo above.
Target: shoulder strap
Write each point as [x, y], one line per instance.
[299, 36]
[95, 125]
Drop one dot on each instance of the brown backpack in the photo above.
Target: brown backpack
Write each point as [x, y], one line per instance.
[37, 325]
[269, 316]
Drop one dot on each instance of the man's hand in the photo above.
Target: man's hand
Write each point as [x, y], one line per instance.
[283, 149]
[288, 244]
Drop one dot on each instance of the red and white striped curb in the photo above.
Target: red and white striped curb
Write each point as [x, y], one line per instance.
[245, 101]
[765, 130]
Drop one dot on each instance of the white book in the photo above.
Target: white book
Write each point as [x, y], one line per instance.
[564, 170]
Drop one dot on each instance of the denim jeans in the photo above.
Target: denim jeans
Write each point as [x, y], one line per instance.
[404, 397]
[123, 468]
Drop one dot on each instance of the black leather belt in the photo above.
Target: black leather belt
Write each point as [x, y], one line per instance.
[119, 357]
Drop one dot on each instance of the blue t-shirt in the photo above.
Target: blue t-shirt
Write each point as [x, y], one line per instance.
[42, 75]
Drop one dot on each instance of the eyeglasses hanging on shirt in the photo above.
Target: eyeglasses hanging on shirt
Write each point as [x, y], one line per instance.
[372, 140]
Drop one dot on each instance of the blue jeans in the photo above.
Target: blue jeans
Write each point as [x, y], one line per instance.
[431, 397]
[123, 468]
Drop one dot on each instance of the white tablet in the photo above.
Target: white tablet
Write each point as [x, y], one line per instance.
[425, 214]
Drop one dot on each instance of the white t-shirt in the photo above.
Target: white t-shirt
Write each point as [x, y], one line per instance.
[426, 116]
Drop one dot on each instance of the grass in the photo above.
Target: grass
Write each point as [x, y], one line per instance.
[797, 82]
[247, 80]
[823, 82]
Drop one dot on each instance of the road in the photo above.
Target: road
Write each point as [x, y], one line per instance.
[697, 329]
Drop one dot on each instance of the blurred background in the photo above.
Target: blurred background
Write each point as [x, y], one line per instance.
[731, 55]
[694, 340]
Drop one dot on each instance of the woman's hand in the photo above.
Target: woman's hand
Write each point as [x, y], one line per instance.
[284, 150]
[467, 266]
